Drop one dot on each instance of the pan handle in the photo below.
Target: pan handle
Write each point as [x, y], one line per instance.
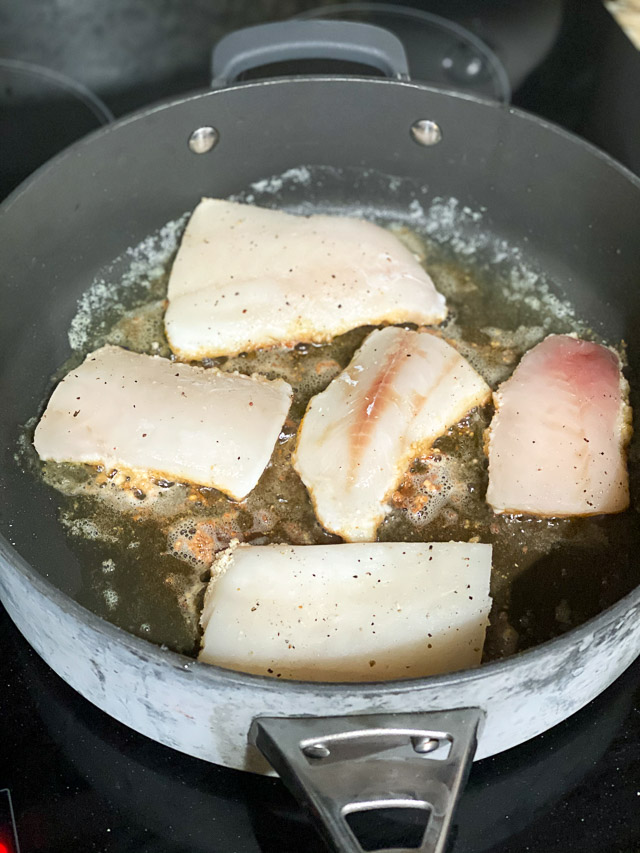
[337, 766]
[252, 47]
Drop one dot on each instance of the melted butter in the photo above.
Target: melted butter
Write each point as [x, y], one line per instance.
[157, 538]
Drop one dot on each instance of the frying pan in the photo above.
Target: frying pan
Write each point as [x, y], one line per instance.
[569, 208]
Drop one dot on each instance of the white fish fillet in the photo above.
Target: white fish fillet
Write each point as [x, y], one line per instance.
[400, 392]
[246, 277]
[363, 612]
[557, 442]
[147, 413]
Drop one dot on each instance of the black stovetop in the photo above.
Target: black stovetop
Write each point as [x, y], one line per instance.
[75, 780]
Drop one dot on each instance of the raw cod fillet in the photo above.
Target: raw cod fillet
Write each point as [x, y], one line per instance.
[400, 392]
[363, 612]
[143, 412]
[557, 442]
[246, 277]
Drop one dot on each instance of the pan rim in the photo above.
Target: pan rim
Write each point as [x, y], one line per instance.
[203, 94]
[10, 558]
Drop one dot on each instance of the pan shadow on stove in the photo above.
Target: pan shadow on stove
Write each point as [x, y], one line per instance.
[113, 788]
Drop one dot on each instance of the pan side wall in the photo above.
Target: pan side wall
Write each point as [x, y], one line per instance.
[206, 713]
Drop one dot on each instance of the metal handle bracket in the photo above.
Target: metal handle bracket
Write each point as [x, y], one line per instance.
[336, 766]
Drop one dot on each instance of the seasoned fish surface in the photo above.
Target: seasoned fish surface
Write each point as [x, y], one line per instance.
[362, 612]
[400, 392]
[557, 442]
[147, 413]
[246, 277]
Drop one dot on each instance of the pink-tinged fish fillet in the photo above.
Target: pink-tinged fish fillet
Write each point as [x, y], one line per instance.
[400, 392]
[246, 277]
[557, 442]
[121, 409]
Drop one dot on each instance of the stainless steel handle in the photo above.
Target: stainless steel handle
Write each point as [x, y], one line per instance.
[336, 766]
[264, 44]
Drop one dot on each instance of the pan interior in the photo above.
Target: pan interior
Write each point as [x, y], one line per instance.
[549, 575]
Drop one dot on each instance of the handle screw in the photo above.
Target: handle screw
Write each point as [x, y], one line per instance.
[423, 745]
[203, 139]
[316, 750]
[426, 132]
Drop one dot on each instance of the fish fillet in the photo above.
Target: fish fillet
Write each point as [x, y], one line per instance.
[147, 413]
[246, 277]
[400, 392]
[557, 442]
[363, 612]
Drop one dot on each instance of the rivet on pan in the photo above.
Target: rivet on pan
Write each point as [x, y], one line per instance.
[426, 132]
[316, 750]
[423, 745]
[203, 139]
